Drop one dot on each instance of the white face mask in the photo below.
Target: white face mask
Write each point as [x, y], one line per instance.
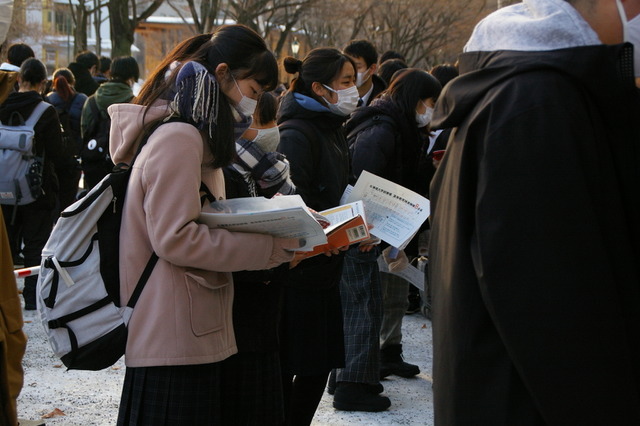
[360, 79]
[246, 106]
[631, 33]
[424, 119]
[267, 139]
[347, 100]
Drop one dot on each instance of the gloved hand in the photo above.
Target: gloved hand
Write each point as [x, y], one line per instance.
[281, 251]
[399, 263]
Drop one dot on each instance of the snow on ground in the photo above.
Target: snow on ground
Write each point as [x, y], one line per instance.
[92, 398]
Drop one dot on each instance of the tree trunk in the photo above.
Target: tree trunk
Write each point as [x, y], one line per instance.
[80, 30]
[97, 20]
[121, 31]
[123, 28]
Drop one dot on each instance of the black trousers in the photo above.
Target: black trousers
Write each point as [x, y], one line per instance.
[32, 227]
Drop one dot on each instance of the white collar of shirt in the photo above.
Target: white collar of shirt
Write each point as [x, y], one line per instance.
[366, 96]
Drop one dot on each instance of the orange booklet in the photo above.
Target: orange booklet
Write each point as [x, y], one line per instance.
[344, 233]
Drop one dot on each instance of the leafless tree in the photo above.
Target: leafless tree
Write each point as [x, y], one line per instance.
[81, 13]
[273, 19]
[124, 17]
[204, 14]
[424, 31]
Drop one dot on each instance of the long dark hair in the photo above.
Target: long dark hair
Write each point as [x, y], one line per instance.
[247, 56]
[410, 86]
[267, 108]
[322, 65]
[157, 84]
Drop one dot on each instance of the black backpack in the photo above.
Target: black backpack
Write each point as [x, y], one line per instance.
[96, 140]
[71, 149]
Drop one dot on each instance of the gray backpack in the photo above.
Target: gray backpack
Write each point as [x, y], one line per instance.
[20, 166]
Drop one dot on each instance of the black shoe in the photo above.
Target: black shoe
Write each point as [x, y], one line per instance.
[376, 389]
[391, 362]
[331, 386]
[358, 397]
[385, 372]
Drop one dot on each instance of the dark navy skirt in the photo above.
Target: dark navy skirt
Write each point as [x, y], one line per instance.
[171, 395]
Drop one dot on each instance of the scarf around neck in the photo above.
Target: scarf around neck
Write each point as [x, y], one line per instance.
[265, 173]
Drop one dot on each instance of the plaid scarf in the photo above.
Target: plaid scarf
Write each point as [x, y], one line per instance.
[265, 173]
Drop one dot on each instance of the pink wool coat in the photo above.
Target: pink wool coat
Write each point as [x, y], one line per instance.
[184, 313]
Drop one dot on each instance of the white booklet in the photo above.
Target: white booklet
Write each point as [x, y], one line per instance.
[285, 216]
[395, 212]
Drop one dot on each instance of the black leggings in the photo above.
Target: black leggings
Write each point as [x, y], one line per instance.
[302, 394]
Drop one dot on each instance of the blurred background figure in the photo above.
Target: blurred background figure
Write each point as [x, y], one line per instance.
[84, 68]
[68, 104]
[95, 123]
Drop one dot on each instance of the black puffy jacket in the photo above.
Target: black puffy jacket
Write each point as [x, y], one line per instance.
[319, 164]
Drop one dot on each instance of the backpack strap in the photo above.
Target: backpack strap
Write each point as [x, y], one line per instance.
[143, 280]
[36, 114]
[93, 104]
[371, 121]
[205, 194]
[97, 118]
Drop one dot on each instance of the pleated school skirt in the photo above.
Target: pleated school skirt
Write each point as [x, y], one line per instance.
[252, 390]
[171, 395]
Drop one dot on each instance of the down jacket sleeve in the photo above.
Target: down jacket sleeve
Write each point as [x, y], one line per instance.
[373, 150]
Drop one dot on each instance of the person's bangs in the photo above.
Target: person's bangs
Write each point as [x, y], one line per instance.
[264, 70]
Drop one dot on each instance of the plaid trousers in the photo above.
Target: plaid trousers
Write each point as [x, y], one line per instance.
[362, 308]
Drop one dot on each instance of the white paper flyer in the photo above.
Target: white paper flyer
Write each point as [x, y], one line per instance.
[410, 273]
[395, 212]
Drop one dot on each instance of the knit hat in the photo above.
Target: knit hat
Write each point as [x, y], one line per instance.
[197, 96]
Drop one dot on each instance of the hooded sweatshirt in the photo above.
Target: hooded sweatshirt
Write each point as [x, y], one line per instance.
[533, 25]
[107, 94]
[535, 227]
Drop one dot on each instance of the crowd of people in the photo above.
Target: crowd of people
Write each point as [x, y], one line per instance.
[534, 273]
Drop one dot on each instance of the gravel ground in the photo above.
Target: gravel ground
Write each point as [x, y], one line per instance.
[91, 398]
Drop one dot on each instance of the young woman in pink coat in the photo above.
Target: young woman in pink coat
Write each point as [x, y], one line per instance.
[181, 327]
